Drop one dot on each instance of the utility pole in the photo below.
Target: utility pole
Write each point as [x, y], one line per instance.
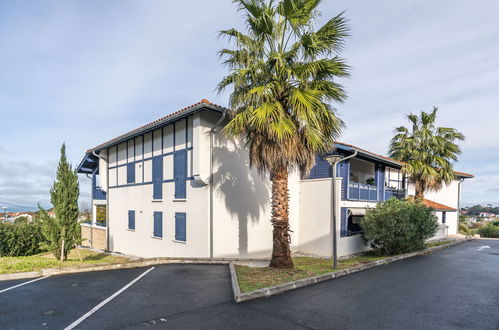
[4, 213]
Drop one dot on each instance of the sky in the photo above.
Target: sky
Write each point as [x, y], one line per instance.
[82, 72]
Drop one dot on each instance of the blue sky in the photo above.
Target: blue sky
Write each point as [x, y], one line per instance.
[85, 71]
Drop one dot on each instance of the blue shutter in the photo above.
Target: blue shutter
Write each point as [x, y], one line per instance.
[444, 216]
[131, 219]
[130, 173]
[180, 173]
[158, 224]
[344, 222]
[157, 177]
[343, 171]
[180, 227]
[380, 182]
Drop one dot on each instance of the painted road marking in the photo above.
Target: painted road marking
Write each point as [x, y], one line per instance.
[24, 283]
[483, 247]
[99, 306]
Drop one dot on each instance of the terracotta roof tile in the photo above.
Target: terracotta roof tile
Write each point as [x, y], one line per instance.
[437, 206]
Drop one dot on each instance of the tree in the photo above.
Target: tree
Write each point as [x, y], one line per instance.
[62, 232]
[281, 75]
[21, 220]
[428, 152]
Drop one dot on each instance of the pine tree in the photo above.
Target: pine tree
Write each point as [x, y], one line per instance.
[63, 231]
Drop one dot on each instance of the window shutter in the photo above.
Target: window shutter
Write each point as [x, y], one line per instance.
[157, 177]
[158, 224]
[343, 222]
[444, 216]
[131, 219]
[130, 173]
[180, 173]
[180, 226]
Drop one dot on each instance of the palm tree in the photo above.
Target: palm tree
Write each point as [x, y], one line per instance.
[281, 75]
[428, 152]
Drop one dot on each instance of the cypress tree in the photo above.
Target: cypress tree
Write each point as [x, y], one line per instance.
[63, 231]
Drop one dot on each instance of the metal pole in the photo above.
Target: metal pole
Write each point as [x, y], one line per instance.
[333, 210]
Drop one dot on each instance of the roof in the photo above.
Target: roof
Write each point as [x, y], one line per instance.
[203, 104]
[394, 161]
[437, 206]
[391, 161]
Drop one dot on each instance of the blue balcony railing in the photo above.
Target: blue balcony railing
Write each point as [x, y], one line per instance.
[99, 194]
[362, 192]
[391, 192]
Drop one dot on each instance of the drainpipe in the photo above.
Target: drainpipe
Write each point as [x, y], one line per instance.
[212, 132]
[107, 195]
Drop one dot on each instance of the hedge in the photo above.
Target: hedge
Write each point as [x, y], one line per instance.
[20, 240]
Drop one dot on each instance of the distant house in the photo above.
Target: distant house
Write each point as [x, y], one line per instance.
[177, 187]
[486, 215]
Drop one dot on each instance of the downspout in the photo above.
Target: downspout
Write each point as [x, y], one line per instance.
[212, 132]
[107, 196]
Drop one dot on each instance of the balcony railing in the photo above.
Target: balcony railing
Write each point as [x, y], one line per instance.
[99, 194]
[362, 192]
[392, 192]
[369, 193]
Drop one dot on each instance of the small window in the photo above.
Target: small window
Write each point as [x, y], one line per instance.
[131, 220]
[444, 216]
[158, 224]
[130, 173]
[180, 227]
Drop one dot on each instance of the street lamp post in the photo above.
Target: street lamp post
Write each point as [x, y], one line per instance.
[334, 160]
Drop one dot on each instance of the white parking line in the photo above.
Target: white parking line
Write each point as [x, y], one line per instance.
[24, 283]
[96, 308]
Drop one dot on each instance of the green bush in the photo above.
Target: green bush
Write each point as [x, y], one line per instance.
[20, 240]
[490, 231]
[398, 226]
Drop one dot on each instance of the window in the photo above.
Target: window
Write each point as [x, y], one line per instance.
[444, 216]
[157, 177]
[180, 227]
[131, 220]
[354, 225]
[180, 173]
[130, 173]
[100, 215]
[158, 224]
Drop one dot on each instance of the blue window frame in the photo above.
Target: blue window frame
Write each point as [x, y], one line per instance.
[130, 173]
[180, 226]
[157, 177]
[158, 224]
[131, 219]
[180, 173]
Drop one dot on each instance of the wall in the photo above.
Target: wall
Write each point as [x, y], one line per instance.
[93, 237]
[242, 199]
[139, 196]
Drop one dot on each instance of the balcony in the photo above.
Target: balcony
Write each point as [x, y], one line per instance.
[98, 193]
[362, 192]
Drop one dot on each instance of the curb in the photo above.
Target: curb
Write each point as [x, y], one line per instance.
[281, 288]
[132, 264]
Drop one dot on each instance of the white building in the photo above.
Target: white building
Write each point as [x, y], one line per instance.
[153, 197]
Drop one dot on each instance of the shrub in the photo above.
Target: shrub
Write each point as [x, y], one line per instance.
[20, 240]
[398, 226]
[490, 231]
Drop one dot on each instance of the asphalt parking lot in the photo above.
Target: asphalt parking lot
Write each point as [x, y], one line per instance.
[453, 288]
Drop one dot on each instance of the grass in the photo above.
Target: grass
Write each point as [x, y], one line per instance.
[253, 278]
[47, 260]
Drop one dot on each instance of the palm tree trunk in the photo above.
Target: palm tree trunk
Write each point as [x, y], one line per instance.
[281, 252]
[419, 191]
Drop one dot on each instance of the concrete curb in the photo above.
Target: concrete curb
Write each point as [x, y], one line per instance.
[281, 288]
[131, 264]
